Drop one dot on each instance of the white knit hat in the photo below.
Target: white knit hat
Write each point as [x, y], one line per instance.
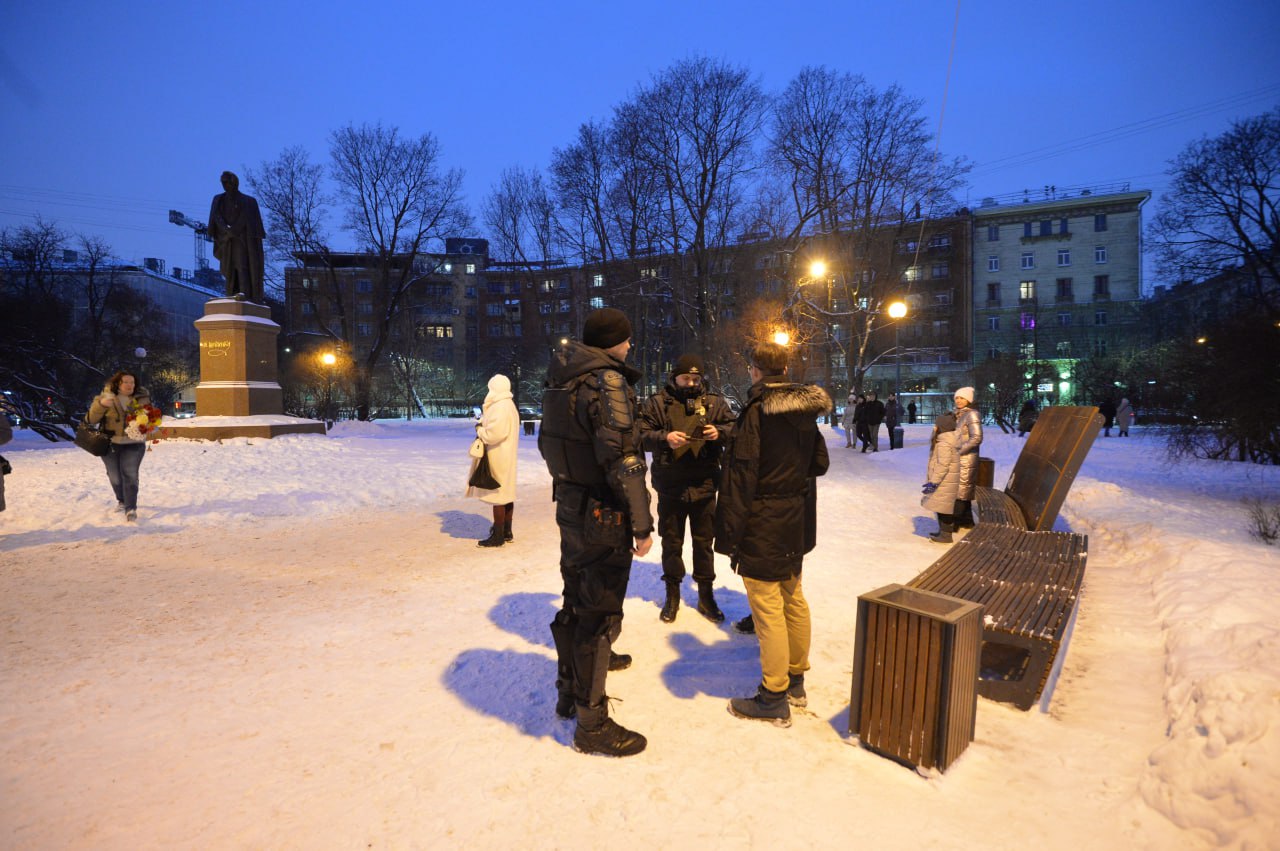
[965, 393]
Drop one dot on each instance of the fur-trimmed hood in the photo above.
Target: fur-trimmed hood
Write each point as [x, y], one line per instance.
[786, 398]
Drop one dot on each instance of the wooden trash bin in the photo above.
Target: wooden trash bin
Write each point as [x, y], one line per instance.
[915, 675]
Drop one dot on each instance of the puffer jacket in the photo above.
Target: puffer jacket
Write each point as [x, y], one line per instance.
[766, 518]
[944, 471]
[113, 417]
[968, 439]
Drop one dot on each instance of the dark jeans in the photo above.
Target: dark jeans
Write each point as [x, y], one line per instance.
[595, 585]
[123, 462]
[701, 516]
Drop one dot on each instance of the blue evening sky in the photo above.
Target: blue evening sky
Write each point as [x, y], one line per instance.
[113, 113]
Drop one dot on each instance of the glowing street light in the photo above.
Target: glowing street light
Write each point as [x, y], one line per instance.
[897, 312]
[818, 269]
[782, 338]
[328, 359]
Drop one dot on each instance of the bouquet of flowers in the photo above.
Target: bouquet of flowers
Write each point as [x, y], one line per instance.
[142, 420]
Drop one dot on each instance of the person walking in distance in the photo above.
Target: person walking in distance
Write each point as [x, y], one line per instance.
[685, 427]
[968, 439]
[766, 521]
[892, 416]
[590, 440]
[1124, 417]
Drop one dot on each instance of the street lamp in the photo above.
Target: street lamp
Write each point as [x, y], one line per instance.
[328, 359]
[782, 338]
[897, 312]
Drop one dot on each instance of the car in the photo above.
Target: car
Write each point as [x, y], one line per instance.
[527, 413]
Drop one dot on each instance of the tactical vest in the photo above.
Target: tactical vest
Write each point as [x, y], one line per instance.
[564, 440]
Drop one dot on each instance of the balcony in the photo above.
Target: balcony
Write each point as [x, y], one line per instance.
[1065, 298]
[993, 302]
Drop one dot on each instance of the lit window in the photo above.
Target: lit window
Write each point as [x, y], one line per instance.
[596, 303]
[911, 274]
[548, 286]
[597, 280]
[1026, 350]
[471, 268]
[1027, 289]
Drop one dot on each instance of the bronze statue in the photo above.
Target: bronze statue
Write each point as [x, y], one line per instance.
[235, 226]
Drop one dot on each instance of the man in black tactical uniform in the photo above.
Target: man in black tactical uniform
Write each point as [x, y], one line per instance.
[590, 441]
[685, 427]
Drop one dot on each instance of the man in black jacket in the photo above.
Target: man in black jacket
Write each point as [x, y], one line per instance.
[590, 441]
[685, 426]
[874, 415]
[767, 520]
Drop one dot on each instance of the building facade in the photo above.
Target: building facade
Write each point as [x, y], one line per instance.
[1058, 279]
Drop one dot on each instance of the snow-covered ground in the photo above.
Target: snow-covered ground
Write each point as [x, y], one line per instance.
[299, 646]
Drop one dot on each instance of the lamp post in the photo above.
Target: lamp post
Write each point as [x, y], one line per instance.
[897, 312]
[328, 359]
[818, 269]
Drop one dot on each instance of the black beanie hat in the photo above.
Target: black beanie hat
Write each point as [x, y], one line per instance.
[606, 328]
[689, 365]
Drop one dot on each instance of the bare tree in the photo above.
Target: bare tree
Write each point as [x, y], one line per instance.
[1221, 209]
[702, 120]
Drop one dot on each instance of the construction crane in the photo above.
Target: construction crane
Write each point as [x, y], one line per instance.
[202, 236]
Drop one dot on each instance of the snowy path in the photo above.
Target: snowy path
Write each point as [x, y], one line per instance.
[353, 672]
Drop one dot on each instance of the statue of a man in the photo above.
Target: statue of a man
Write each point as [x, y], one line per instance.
[235, 226]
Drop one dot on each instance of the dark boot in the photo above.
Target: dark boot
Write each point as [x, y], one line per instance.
[506, 523]
[963, 514]
[943, 535]
[494, 539]
[562, 637]
[767, 705]
[796, 695]
[707, 603]
[619, 661]
[597, 733]
[746, 626]
[672, 605]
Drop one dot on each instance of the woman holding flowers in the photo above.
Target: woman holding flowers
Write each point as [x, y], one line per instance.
[126, 413]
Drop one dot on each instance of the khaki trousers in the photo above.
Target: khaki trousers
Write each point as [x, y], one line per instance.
[781, 615]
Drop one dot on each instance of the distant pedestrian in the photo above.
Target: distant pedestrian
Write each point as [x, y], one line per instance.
[911, 412]
[1108, 411]
[968, 439]
[499, 429]
[892, 416]
[944, 477]
[850, 421]
[1124, 417]
[6, 435]
[1027, 417]
[861, 432]
[873, 413]
[117, 407]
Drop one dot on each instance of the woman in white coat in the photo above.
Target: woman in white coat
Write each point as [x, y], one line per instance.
[499, 429]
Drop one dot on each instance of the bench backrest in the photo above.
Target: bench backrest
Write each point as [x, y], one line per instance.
[1046, 467]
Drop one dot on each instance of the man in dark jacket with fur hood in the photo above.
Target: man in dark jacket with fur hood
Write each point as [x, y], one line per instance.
[590, 439]
[685, 427]
[767, 520]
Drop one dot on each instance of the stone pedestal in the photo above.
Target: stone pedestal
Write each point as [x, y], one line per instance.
[238, 394]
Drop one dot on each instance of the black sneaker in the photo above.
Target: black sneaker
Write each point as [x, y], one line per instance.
[609, 739]
[746, 626]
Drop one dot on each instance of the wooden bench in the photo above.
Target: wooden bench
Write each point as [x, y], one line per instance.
[1028, 584]
[1027, 578]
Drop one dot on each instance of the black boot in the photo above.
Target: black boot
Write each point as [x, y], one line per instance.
[707, 603]
[494, 539]
[506, 524]
[943, 535]
[619, 661]
[796, 695]
[597, 733]
[672, 605]
[766, 705]
[746, 626]
[562, 637]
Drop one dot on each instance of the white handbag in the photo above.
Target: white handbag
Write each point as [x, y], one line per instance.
[477, 449]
